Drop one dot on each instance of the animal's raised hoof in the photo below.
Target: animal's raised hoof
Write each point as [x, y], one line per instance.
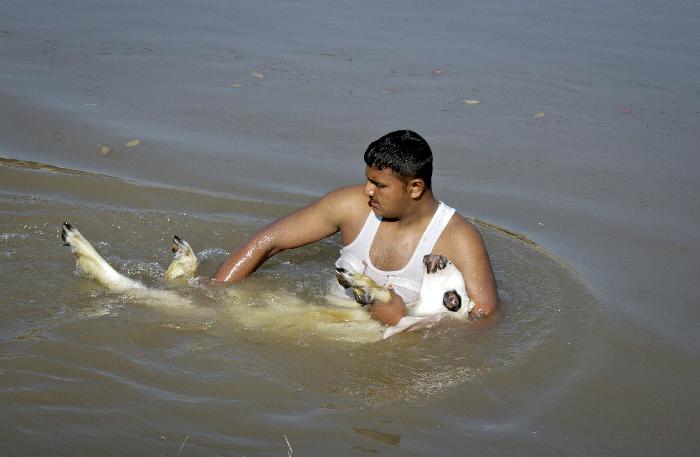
[92, 263]
[184, 263]
[340, 276]
[65, 228]
[177, 243]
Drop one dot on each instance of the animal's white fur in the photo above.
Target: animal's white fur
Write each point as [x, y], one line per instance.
[428, 309]
[434, 286]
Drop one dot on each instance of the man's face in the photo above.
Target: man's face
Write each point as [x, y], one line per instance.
[387, 195]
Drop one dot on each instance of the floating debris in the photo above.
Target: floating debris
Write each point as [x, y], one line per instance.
[389, 90]
[102, 149]
[133, 143]
[235, 85]
[471, 101]
[437, 72]
[626, 110]
[539, 115]
[257, 75]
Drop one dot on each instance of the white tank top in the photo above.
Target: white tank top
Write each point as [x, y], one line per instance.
[408, 280]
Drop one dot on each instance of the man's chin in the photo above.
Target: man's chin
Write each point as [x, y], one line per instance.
[379, 212]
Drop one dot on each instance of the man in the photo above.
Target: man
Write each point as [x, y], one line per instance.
[387, 226]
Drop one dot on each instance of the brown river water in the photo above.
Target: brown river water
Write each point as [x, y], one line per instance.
[579, 164]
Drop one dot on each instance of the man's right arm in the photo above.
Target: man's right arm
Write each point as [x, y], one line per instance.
[312, 223]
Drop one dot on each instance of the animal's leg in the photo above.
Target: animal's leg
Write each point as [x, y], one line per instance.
[364, 289]
[184, 263]
[92, 263]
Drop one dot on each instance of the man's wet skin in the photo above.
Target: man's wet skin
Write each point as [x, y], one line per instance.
[405, 204]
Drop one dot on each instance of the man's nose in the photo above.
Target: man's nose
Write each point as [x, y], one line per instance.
[369, 189]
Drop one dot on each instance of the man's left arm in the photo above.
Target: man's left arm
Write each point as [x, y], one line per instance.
[465, 247]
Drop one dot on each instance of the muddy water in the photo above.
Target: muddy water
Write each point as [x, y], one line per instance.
[579, 166]
[270, 354]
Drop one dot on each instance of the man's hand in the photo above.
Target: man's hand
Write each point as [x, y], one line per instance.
[390, 312]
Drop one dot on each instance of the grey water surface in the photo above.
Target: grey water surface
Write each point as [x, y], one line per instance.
[580, 164]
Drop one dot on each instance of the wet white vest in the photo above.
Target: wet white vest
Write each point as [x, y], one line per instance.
[408, 280]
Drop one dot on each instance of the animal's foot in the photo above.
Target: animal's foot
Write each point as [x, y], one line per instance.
[179, 246]
[435, 262]
[344, 277]
[364, 289]
[67, 232]
[184, 263]
[78, 244]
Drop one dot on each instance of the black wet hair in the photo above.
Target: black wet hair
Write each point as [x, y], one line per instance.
[405, 153]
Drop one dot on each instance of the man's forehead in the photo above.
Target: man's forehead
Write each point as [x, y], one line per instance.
[384, 174]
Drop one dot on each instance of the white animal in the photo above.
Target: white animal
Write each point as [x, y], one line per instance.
[282, 312]
[183, 265]
[442, 294]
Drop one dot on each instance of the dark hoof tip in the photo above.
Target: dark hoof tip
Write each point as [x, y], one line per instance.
[66, 226]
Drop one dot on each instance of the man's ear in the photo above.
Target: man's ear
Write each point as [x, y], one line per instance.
[416, 188]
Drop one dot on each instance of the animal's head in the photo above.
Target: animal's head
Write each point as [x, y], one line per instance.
[364, 289]
[443, 279]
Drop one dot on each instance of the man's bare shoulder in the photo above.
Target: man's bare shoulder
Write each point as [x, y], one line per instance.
[460, 235]
[348, 208]
[346, 201]
[347, 193]
[462, 243]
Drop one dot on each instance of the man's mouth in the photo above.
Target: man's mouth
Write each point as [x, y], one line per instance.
[373, 203]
